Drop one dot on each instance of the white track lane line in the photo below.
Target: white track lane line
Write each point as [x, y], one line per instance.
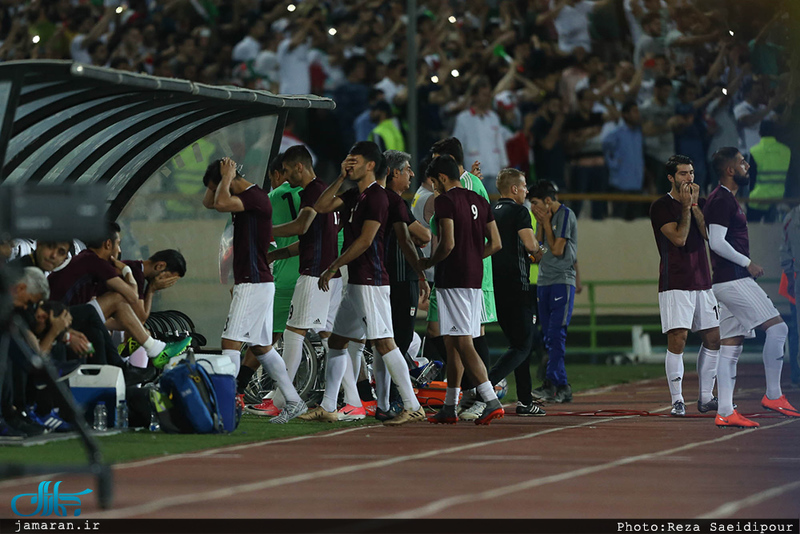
[449, 502]
[196, 454]
[222, 493]
[730, 508]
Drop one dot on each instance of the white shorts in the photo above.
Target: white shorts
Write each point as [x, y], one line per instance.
[743, 307]
[366, 312]
[250, 316]
[96, 305]
[336, 288]
[309, 307]
[693, 310]
[460, 311]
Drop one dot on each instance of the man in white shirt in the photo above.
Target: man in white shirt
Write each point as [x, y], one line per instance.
[294, 57]
[481, 134]
[248, 48]
[571, 19]
[394, 81]
[749, 114]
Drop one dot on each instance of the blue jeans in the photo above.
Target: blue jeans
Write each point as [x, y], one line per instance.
[555, 313]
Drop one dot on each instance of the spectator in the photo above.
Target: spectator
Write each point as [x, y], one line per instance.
[691, 133]
[749, 113]
[651, 43]
[571, 18]
[363, 125]
[386, 134]
[549, 157]
[624, 153]
[589, 172]
[770, 165]
[658, 122]
[394, 83]
[481, 134]
[248, 48]
[351, 98]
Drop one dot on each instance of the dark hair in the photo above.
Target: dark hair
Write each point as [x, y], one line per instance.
[674, 161]
[768, 129]
[175, 261]
[109, 232]
[685, 87]
[450, 146]
[381, 168]
[297, 154]
[663, 81]
[384, 107]
[629, 105]
[276, 165]
[581, 93]
[443, 165]
[213, 173]
[543, 189]
[722, 158]
[369, 151]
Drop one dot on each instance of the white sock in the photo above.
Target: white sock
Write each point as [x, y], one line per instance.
[773, 358]
[236, 358]
[707, 372]
[451, 396]
[486, 391]
[153, 347]
[726, 377]
[335, 368]
[324, 341]
[276, 368]
[356, 351]
[398, 370]
[292, 356]
[382, 382]
[349, 385]
[674, 367]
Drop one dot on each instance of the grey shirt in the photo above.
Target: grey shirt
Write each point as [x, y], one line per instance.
[561, 270]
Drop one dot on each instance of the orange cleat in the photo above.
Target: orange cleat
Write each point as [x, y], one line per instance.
[265, 409]
[735, 420]
[781, 406]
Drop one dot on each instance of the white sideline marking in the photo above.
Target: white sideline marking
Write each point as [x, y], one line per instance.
[222, 493]
[730, 508]
[197, 454]
[442, 504]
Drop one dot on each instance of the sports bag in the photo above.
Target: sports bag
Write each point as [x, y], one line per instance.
[186, 400]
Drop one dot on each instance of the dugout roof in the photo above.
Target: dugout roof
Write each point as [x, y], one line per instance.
[65, 122]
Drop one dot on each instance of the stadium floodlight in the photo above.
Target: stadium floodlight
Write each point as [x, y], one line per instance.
[120, 9]
[454, 73]
[35, 39]
[332, 32]
[724, 91]
[452, 19]
[730, 32]
[435, 79]
[291, 7]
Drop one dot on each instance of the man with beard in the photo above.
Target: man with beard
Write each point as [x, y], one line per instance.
[744, 306]
[685, 298]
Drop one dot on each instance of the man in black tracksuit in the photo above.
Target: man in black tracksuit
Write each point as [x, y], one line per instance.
[516, 303]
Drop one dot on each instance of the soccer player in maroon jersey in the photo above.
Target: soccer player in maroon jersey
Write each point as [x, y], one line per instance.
[365, 311]
[744, 306]
[467, 234]
[685, 298]
[250, 317]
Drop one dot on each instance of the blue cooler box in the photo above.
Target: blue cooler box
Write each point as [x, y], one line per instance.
[95, 383]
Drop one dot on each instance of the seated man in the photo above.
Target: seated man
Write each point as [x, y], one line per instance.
[160, 271]
[97, 277]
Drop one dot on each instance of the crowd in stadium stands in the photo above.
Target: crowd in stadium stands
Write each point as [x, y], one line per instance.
[564, 90]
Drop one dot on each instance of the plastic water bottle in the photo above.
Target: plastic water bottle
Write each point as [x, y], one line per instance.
[100, 421]
[154, 426]
[121, 420]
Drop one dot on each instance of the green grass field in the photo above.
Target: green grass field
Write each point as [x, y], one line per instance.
[133, 445]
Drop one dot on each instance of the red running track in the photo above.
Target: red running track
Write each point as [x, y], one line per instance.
[559, 466]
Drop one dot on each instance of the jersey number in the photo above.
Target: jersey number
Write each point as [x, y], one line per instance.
[292, 210]
[474, 211]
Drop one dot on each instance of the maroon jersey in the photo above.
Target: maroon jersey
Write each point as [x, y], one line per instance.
[82, 279]
[470, 213]
[398, 210]
[318, 244]
[723, 209]
[137, 268]
[370, 205]
[252, 234]
[683, 267]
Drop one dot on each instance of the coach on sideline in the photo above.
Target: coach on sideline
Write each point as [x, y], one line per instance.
[516, 305]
